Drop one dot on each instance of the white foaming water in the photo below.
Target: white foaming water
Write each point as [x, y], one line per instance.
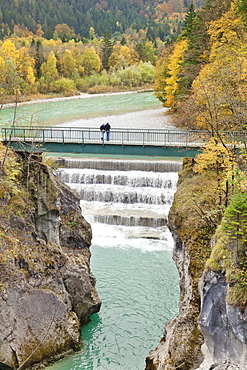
[126, 209]
[130, 178]
[122, 194]
[111, 236]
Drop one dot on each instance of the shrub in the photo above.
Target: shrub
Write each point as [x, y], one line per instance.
[65, 85]
[147, 72]
[130, 76]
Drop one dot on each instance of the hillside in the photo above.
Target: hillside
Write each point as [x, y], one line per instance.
[102, 15]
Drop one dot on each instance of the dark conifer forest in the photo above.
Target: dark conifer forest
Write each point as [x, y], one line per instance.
[103, 15]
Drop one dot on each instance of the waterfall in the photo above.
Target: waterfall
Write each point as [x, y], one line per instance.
[133, 195]
[121, 165]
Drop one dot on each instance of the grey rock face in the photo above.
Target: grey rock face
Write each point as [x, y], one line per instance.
[224, 327]
[47, 289]
[31, 320]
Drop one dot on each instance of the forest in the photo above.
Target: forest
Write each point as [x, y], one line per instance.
[202, 76]
[72, 46]
[113, 16]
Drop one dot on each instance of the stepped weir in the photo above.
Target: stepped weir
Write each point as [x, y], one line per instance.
[133, 195]
[121, 165]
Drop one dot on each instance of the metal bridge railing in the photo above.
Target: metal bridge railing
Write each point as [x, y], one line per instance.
[154, 137]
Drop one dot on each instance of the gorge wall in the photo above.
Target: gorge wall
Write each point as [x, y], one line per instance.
[47, 289]
[208, 333]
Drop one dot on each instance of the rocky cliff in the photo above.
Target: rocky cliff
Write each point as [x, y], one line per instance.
[46, 287]
[224, 326]
[208, 333]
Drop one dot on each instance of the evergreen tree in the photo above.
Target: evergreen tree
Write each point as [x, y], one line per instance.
[195, 30]
[123, 41]
[242, 8]
[35, 51]
[189, 22]
[235, 224]
[106, 50]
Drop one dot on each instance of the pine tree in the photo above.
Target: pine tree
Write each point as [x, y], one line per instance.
[189, 22]
[106, 50]
[242, 8]
[235, 224]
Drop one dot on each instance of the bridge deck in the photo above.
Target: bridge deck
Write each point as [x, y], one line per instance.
[117, 136]
[82, 139]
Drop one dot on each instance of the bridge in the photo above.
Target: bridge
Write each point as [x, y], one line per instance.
[148, 142]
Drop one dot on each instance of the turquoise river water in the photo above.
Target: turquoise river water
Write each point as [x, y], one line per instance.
[138, 288]
[138, 110]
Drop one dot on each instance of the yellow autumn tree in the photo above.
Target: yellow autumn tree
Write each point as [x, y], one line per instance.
[49, 72]
[48, 46]
[90, 61]
[217, 158]
[49, 68]
[9, 51]
[122, 56]
[10, 79]
[18, 61]
[67, 64]
[161, 75]
[173, 69]
[220, 90]
[3, 75]
[26, 65]
[77, 53]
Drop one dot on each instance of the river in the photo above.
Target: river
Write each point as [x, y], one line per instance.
[127, 203]
[136, 110]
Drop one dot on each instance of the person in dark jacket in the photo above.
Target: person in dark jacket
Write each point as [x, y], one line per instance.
[107, 130]
[102, 129]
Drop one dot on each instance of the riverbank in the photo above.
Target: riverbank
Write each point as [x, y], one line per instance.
[26, 101]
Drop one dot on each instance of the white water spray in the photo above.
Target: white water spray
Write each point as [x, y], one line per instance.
[126, 202]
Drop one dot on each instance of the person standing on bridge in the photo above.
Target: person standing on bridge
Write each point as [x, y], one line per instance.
[107, 129]
[102, 129]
